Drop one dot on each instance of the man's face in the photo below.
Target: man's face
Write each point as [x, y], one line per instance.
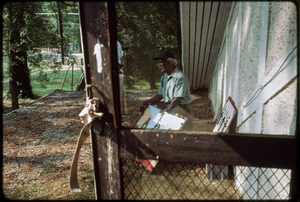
[164, 66]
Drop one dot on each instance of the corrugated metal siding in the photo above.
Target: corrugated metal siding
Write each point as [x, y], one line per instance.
[202, 28]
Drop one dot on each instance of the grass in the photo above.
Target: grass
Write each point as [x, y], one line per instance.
[56, 81]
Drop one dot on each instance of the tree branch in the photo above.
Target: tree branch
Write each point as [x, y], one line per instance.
[69, 4]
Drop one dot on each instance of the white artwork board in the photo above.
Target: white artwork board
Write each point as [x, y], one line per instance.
[165, 120]
[227, 114]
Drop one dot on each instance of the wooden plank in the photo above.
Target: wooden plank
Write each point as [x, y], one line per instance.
[219, 39]
[207, 7]
[193, 15]
[214, 148]
[211, 32]
[198, 41]
[185, 27]
[113, 61]
[99, 72]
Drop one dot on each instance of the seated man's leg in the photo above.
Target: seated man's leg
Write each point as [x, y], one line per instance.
[160, 105]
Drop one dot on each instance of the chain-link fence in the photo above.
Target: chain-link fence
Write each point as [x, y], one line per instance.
[192, 181]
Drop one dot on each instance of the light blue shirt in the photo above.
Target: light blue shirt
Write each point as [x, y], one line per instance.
[175, 85]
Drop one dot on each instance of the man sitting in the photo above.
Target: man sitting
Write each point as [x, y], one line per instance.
[174, 88]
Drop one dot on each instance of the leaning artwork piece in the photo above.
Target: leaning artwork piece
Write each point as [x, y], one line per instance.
[222, 125]
[228, 113]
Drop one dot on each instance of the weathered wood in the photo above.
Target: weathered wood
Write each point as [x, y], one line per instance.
[106, 157]
[198, 43]
[192, 39]
[185, 28]
[271, 151]
[204, 35]
[223, 15]
[209, 42]
[114, 70]
[99, 69]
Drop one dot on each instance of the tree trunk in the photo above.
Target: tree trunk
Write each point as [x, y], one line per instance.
[80, 50]
[152, 84]
[13, 90]
[14, 95]
[13, 85]
[25, 89]
[19, 74]
[60, 33]
[23, 73]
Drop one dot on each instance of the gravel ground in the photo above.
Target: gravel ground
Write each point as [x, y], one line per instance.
[39, 141]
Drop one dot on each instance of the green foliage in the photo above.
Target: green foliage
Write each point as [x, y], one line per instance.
[135, 83]
[43, 79]
[70, 19]
[128, 83]
[40, 31]
[146, 28]
[47, 82]
[24, 34]
[26, 31]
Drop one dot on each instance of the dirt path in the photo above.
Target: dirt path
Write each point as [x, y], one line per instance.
[40, 138]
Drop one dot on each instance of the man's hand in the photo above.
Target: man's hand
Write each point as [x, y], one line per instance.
[144, 105]
[174, 103]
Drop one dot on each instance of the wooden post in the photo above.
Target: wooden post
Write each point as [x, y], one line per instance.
[208, 147]
[100, 74]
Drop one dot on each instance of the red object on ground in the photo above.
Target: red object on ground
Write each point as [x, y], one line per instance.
[148, 164]
[128, 124]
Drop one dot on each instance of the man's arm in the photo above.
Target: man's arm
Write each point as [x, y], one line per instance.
[174, 103]
[155, 98]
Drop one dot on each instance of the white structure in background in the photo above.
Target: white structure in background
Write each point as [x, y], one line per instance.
[257, 67]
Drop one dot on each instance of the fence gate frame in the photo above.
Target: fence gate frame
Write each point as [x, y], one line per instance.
[113, 143]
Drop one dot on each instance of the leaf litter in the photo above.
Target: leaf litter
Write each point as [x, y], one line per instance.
[40, 138]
